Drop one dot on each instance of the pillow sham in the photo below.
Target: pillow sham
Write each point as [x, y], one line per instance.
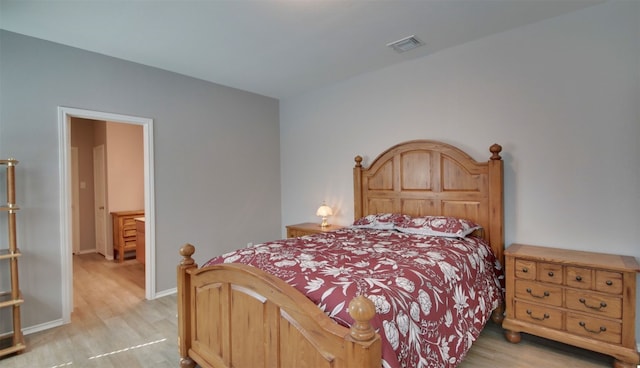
[438, 226]
[381, 221]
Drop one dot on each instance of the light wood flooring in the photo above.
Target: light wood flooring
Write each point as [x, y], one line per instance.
[113, 326]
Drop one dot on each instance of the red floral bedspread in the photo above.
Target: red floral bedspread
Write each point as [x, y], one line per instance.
[433, 295]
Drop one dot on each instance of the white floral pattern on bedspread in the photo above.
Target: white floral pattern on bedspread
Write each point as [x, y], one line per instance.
[433, 295]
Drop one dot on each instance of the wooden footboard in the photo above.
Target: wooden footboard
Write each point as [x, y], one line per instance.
[233, 315]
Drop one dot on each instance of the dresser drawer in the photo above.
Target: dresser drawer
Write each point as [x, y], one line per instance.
[293, 233]
[525, 269]
[540, 293]
[579, 277]
[594, 328]
[540, 315]
[600, 305]
[609, 282]
[128, 222]
[129, 233]
[550, 272]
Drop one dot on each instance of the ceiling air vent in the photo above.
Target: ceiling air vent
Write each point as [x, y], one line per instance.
[405, 44]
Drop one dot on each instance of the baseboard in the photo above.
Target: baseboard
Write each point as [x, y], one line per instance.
[89, 251]
[42, 327]
[165, 293]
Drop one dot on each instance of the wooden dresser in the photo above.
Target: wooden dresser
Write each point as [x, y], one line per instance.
[124, 232]
[140, 239]
[309, 228]
[579, 298]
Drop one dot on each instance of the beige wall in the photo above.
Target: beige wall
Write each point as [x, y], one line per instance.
[125, 167]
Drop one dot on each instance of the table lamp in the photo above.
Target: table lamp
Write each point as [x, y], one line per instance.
[324, 211]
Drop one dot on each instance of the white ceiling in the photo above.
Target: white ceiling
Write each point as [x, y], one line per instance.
[273, 48]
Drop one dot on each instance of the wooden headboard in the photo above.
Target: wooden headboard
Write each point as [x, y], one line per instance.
[424, 177]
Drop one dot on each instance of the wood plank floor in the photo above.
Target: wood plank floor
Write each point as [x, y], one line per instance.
[113, 326]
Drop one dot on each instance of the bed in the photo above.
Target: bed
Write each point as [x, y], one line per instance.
[234, 314]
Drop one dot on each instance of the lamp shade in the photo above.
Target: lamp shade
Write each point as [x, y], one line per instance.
[324, 211]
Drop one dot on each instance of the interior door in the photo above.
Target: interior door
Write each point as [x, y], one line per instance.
[100, 200]
[75, 201]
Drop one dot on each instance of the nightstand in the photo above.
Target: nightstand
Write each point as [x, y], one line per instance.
[309, 228]
[579, 298]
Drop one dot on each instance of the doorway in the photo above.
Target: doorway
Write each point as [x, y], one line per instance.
[64, 121]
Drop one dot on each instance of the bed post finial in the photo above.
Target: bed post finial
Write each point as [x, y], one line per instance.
[186, 252]
[358, 160]
[362, 310]
[495, 149]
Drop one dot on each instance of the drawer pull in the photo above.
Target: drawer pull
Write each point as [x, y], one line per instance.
[584, 325]
[602, 304]
[578, 278]
[545, 316]
[609, 282]
[525, 270]
[550, 273]
[544, 295]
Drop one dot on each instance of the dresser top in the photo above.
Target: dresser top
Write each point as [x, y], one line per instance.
[574, 257]
[128, 213]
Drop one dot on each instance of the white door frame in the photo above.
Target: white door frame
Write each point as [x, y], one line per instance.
[64, 135]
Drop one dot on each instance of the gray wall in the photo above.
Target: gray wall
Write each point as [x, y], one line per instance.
[217, 171]
[562, 96]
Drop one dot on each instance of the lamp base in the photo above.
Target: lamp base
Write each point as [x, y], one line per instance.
[324, 222]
